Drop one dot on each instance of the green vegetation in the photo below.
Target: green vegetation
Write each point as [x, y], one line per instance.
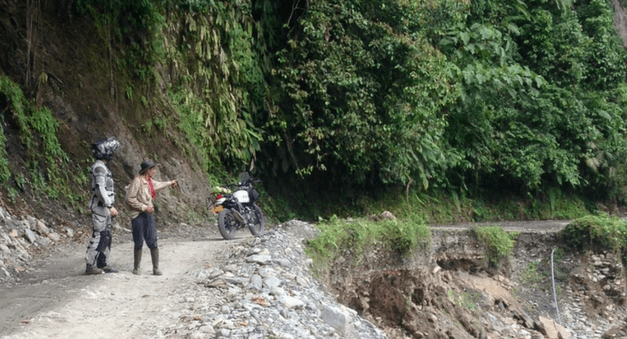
[499, 244]
[441, 208]
[453, 95]
[466, 299]
[47, 163]
[445, 99]
[338, 237]
[596, 231]
[531, 276]
[446, 110]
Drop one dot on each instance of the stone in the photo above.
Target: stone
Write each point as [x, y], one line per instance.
[41, 228]
[338, 319]
[43, 242]
[271, 282]
[291, 302]
[552, 330]
[30, 235]
[4, 248]
[260, 259]
[256, 283]
[54, 237]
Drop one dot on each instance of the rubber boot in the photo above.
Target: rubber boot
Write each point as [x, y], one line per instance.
[137, 261]
[154, 253]
[90, 270]
[109, 269]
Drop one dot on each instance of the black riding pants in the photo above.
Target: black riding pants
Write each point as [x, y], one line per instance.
[144, 228]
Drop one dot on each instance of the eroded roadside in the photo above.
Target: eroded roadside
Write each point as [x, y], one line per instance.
[451, 291]
[258, 288]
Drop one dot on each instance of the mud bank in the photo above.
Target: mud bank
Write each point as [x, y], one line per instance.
[452, 289]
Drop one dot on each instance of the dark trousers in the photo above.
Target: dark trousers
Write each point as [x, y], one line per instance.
[144, 228]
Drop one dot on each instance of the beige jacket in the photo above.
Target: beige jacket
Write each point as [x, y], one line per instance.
[139, 194]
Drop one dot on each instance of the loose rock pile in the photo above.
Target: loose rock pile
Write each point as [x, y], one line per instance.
[595, 307]
[262, 290]
[19, 238]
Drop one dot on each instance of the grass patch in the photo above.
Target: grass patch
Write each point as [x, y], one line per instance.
[451, 207]
[499, 244]
[337, 236]
[596, 231]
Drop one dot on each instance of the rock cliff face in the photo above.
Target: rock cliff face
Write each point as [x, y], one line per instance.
[61, 61]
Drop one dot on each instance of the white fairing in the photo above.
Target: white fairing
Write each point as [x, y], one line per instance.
[220, 201]
[241, 196]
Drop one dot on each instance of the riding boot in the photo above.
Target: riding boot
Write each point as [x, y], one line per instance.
[90, 270]
[154, 253]
[137, 261]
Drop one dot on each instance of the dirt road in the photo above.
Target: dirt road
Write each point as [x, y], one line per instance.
[55, 299]
[58, 301]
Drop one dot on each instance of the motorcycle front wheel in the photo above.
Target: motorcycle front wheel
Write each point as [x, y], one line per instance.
[258, 225]
[227, 224]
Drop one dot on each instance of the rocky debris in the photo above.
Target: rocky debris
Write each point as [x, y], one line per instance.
[385, 215]
[552, 330]
[262, 290]
[19, 239]
[595, 298]
[449, 291]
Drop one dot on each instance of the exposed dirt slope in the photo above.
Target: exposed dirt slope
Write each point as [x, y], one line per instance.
[452, 290]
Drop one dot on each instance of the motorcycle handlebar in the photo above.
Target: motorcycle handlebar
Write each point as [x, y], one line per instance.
[249, 181]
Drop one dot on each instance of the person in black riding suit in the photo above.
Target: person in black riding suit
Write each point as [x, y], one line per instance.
[102, 209]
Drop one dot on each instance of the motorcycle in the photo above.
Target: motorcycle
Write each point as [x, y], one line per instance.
[238, 209]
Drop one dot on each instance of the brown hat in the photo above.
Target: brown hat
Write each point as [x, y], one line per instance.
[146, 165]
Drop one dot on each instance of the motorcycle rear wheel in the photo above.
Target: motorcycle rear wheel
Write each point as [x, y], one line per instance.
[258, 225]
[227, 224]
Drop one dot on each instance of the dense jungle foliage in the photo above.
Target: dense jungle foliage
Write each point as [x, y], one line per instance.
[353, 97]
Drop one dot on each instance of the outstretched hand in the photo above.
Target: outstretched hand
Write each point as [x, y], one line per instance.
[174, 183]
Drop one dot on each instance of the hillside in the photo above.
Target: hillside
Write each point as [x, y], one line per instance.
[58, 58]
[59, 62]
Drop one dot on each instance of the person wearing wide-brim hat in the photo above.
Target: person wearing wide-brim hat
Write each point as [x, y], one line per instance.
[140, 194]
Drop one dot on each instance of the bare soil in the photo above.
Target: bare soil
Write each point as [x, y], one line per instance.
[453, 291]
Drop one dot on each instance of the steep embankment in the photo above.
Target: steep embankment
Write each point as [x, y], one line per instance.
[451, 290]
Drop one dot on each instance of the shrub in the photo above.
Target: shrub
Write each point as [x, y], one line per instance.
[499, 244]
[598, 230]
[337, 236]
